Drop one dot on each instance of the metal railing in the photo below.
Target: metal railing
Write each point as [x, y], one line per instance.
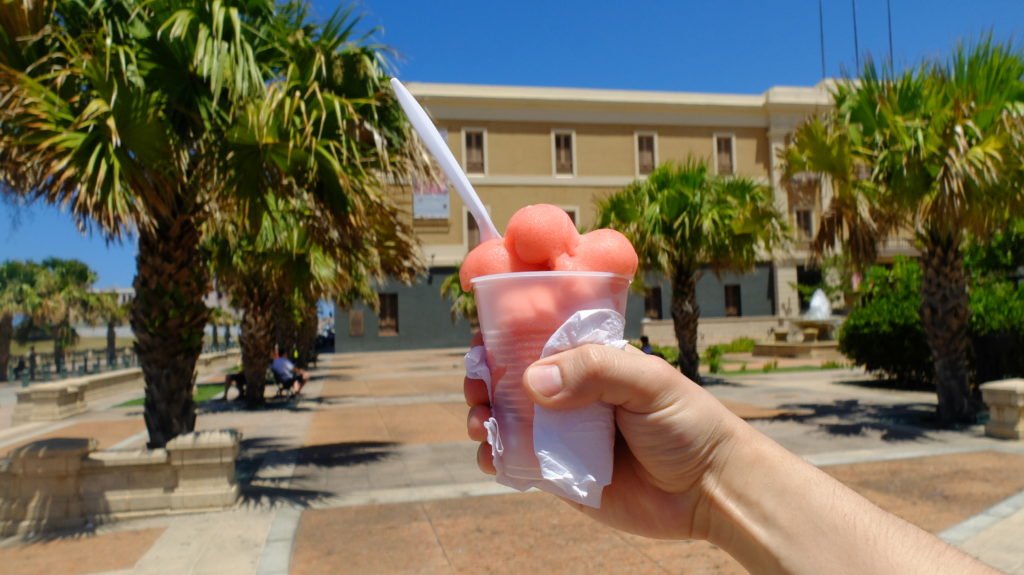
[80, 363]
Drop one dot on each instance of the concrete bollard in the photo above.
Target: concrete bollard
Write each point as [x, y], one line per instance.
[1005, 400]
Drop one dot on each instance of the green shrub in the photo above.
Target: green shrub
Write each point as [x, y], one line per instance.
[738, 345]
[770, 366]
[713, 357]
[883, 332]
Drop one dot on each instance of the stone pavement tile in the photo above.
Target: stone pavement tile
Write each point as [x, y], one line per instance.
[686, 556]
[416, 423]
[85, 554]
[372, 539]
[209, 543]
[377, 384]
[750, 412]
[348, 425]
[1000, 545]
[530, 533]
[107, 433]
[936, 492]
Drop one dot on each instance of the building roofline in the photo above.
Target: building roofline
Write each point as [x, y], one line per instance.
[810, 96]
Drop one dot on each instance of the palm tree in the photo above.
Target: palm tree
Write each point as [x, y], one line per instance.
[939, 142]
[19, 295]
[65, 288]
[463, 302]
[106, 307]
[682, 220]
[151, 116]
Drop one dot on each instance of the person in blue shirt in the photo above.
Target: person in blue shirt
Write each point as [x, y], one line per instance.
[286, 372]
[645, 345]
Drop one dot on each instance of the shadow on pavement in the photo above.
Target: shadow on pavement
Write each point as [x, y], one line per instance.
[889, 383]
[261, 455]
[896, 422]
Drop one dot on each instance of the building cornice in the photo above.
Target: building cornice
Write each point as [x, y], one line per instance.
[588, 106]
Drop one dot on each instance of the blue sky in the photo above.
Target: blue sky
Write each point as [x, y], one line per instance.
[740, 46]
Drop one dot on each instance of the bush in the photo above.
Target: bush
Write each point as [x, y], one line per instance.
[738, 345]
[884, 332]
[713, 357]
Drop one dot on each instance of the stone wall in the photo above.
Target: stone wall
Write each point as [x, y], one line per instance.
[65, 483]
[67, 397]
[711, 331]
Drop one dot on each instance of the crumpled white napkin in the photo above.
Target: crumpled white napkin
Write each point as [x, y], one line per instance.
[574, 448]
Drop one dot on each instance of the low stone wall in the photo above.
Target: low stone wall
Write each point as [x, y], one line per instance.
[64, 483]
[711, 331]
[1005, 400]
[60, 399]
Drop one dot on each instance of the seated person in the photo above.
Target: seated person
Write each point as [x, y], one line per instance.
[286, 372]
[238, 379]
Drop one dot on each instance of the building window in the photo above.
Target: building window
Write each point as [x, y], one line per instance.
[805, 223]
[388, 314]
[565, 164]
[472, 232]
[475, 153]
[652, 303]
[725, 155]
[645, 155]
[572, 216]
[733, 307]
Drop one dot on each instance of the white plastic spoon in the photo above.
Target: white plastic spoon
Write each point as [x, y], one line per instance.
[439, 148]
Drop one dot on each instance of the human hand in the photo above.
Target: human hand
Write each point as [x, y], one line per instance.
[672, 440]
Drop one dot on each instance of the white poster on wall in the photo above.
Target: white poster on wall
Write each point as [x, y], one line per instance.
[430, 199]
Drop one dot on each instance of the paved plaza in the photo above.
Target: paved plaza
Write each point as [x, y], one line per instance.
[371, 472]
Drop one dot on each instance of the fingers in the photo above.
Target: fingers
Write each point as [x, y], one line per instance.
[581, 376]
[478, 414]
[475, 391]
[483, 459]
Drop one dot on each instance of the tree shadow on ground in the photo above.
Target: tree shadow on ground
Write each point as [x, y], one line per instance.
[265, 454]
[849, 418]
[890, 384]
[272, 404]
[714, 380]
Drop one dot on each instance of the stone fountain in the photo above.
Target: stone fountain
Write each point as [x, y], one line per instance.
[810, 335]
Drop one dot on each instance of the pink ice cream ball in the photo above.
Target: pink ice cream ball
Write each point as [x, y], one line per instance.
[491, 258]
[600, 251]
[540, 233]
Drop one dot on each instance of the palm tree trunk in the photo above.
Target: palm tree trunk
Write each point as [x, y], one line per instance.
[227, 335]
[946, 319]
[213, 331]
[60, 339]
[111, 344]
[6, 334]
[167, 317]
[257, 341]
[285, 329]
[685, 315]
[307, 336]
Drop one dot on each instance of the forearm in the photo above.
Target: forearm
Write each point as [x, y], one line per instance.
[775, 513]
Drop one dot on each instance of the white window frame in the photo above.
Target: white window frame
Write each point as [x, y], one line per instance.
[465, 157]
[554, 153]
[796, 220]
[636, 149]
[575, 209]
[714, 152]
[465, 226]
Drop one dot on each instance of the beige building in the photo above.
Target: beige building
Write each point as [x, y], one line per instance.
[569, 147]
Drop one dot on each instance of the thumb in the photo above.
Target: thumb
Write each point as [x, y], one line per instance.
[637, 382]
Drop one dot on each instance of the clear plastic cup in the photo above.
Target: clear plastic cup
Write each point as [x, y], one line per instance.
[518, 313]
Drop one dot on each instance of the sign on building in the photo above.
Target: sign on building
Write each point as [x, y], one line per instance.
[430, 199]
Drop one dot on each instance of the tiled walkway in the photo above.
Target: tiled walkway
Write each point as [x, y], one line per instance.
[371, 473]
